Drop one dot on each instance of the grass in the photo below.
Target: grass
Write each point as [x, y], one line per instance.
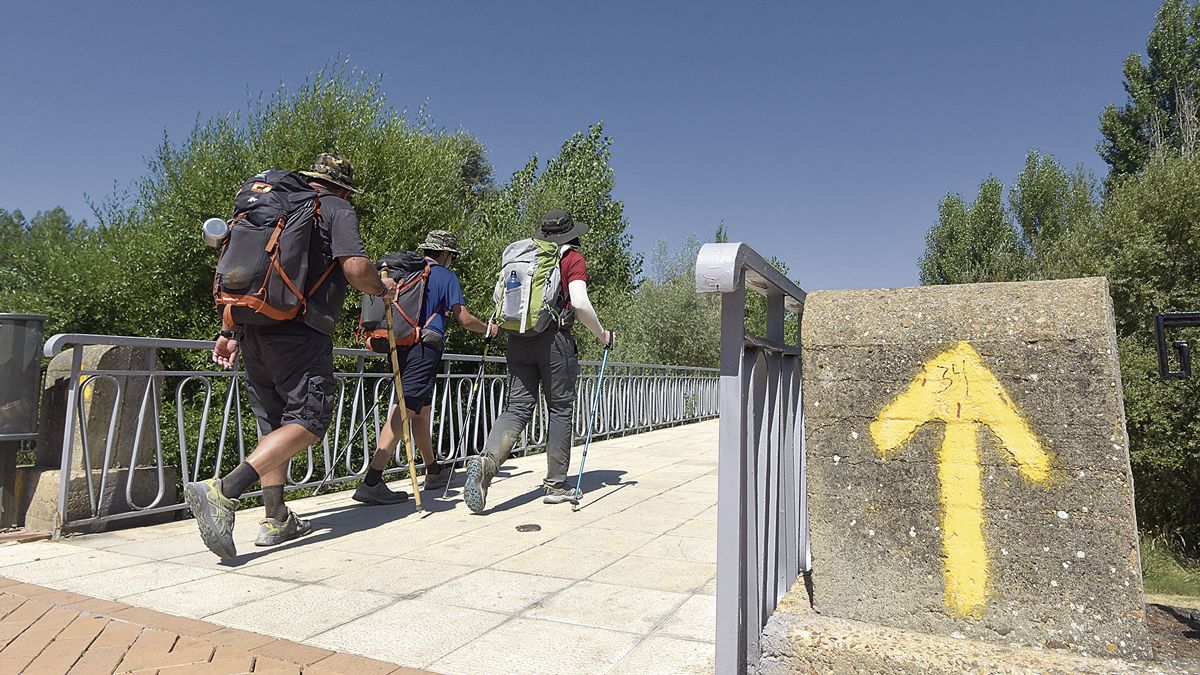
[1165, 571]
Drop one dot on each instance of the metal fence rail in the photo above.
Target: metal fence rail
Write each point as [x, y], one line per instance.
[762, 518]
[195, 423]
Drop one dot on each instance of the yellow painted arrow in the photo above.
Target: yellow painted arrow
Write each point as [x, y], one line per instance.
[958, 389]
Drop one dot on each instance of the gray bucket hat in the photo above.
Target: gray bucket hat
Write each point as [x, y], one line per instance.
[559, 227]
[441, 240]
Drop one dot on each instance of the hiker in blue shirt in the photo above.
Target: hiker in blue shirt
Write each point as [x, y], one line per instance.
[419, 366]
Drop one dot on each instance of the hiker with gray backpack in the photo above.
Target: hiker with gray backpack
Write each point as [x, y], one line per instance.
[540, 292]
[292, 246]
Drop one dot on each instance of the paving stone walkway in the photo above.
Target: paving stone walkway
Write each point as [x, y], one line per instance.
[624, 585]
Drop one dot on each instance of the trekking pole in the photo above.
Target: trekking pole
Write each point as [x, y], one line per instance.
[406, 429]
[462, 439]
[591, 424]
[338, 456]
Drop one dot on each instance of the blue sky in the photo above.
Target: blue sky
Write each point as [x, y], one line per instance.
[822, 133]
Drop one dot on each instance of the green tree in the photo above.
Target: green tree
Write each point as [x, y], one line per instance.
[972, 242]
[1147, 246]
[1030, 237]
[143, 270]
[1163, 94]
[579, 179]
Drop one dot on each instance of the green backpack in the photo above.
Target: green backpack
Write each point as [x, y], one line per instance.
[529, 295]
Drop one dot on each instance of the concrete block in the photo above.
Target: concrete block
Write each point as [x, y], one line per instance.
[38, 493]
[660, 655]
[968, 467]
[99, 401]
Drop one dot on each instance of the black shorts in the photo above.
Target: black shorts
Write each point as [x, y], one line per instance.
[289, 373]
[419, 366]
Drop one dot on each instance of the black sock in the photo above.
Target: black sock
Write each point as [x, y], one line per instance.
[433, 468]
[238, 481]
[273, 501]
[374, 476]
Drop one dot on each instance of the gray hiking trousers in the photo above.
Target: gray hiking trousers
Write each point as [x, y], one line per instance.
[549, 360]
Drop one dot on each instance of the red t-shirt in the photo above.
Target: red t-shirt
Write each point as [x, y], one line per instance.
[572, 268]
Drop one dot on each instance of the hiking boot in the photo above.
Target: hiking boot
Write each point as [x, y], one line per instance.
[560, 495]
[480, 471]
[213, 512]
[378, 493]
[272, 532]
[438, 480]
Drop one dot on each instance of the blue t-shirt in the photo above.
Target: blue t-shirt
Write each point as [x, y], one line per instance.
[442, 292]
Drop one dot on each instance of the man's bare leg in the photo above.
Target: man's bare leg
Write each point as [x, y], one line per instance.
[373, 490]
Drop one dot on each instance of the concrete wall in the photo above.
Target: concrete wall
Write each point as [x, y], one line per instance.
[968, 464]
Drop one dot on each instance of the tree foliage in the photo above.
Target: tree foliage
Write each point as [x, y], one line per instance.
[1162, 108]
[994, 240]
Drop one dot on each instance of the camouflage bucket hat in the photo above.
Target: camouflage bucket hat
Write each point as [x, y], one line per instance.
[441, 240]
[331, 167]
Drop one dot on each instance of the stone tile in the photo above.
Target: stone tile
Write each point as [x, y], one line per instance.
[398, 576]
[210, 595]
[117, 583]
[533, 646]
[496, 590]
[83, 563]
[20, 554]
[392, 542]
[695, 620]
[680, 576]
[596, 538]
[248, 555]
[710, 587]
[164, 621]
[302, 612]
[658, 655]
[413, 632]
[162, 548]
[674, 547]
[557, 561]
[659, 522]
[473, 551]
[314, 565]
[704, 529]
[634, 610]
[549, 528]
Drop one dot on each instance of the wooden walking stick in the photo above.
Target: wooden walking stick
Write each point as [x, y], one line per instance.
[406, 428]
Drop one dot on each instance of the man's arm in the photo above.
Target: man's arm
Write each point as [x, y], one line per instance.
[582, 304]
[472, 323]
[361, 274]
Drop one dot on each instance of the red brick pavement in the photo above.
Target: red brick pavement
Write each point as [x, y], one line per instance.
[44, 631]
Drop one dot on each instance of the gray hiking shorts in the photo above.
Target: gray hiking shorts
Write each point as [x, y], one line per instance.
[289, 372]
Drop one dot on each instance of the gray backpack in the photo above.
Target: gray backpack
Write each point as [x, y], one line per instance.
[528, 295]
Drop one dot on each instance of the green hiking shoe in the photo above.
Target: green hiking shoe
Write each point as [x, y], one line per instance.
[560, 495]
[213, 512]
[273, 532]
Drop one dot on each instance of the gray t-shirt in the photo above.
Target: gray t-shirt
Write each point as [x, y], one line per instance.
[336, 236]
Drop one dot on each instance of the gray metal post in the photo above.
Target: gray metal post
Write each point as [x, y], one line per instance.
[8, 482]
[64, 473]
[731, 480]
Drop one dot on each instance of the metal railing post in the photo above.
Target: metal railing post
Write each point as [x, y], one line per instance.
[762, 541]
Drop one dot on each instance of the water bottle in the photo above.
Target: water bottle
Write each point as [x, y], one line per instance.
[215, 231]
[512, 296]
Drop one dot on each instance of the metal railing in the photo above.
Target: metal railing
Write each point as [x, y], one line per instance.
[193, 423]
[762, 516]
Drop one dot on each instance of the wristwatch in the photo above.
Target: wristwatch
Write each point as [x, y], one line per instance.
[229, 334]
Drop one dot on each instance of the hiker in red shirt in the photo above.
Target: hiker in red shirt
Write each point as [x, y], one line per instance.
[548, 359]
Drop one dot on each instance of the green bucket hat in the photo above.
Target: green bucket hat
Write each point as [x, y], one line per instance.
[330, 167]
[441, 240]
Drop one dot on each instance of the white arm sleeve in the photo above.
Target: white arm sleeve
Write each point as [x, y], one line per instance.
[583, 307]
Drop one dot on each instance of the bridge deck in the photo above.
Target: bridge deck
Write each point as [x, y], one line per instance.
[624, 585]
